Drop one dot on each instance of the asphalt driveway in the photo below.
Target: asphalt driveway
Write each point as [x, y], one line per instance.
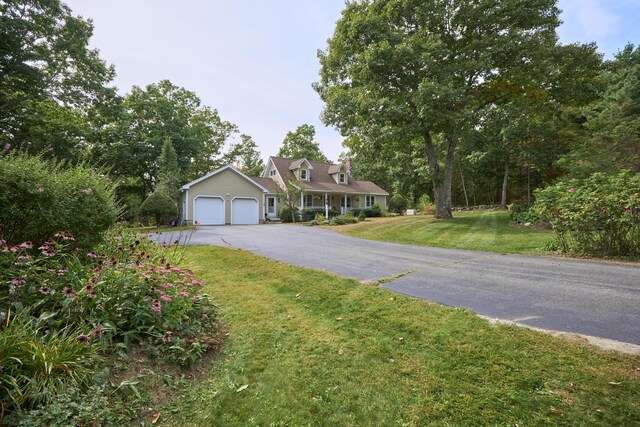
[593, 298]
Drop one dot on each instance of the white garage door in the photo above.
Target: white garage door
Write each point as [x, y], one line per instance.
[209, 211]
[244, 211]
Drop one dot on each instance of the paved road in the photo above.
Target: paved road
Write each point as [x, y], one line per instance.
[591, 298]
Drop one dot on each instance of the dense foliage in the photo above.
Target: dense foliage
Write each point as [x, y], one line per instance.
[395, 73]
[300, 144]
[160, 207]
[598, 215]
[368, 212]
[289, 214]
[397, 203]
[39, 198]
[59, 308]
[307, 214]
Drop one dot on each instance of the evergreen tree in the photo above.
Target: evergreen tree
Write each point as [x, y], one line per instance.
[168, 179]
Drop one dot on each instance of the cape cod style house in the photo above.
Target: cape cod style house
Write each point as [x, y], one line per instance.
[227, 196]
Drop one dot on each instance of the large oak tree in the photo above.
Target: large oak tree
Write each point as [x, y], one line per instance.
[400, 71]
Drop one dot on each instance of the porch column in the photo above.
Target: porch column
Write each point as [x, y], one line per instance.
[301, 200]
[345, 203]
[326, 206]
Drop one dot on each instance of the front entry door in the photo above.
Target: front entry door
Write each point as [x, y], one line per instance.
[271, 207]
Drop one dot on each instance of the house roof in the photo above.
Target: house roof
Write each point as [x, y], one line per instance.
[210, 174]
[335, 168]
[267, 183]
[321, 180]
[297, 163]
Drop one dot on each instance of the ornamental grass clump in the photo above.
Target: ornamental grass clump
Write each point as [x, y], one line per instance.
[596, 216]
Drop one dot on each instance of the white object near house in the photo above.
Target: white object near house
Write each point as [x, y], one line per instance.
[411, 212]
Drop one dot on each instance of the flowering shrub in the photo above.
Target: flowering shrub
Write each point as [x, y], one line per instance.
[126, 290]
[39, 198]
[599, 215]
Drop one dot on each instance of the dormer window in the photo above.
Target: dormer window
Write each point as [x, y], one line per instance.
[272, 172]
[303, 174]
[342, 178]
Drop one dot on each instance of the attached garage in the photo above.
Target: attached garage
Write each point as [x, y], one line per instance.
[244, 211]
[208, 210]
[225, 196]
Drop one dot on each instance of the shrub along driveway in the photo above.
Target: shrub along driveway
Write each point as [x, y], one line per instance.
[594, 298]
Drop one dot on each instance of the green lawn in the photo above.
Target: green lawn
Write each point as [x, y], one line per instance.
[309, 348]
[478, 230]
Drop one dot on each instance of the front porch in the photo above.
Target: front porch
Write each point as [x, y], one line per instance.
[338, 202]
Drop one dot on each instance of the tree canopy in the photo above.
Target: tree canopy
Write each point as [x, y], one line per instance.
[419, 70]
[246, 156]
[50, 79]
[301, 144]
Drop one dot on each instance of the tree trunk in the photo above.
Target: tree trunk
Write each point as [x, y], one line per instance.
[464, 188]
[505, 185]
[528, 186]
[441, 179]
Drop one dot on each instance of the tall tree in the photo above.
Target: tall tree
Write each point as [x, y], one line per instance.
[169, 174]
[146, 119]
[420, 69]
[49, 78]
[246, 156]
[613, 121]
[301, 144]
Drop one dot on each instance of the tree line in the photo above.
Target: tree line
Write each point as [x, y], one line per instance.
[475, 102]
[469, 102]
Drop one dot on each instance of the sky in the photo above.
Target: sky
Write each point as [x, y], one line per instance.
[255, 60]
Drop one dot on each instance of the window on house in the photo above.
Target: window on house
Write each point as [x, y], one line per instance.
[369, 201]
[303, 174]
[308, 200]
[272, 172]
[348, 201]
[342, 178]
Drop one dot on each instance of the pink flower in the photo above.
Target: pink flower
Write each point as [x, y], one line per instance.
[92, 255]
[184, 294]
[24, 257]
[573, 189]
[18, 282]
[26, 245]
[98, 331]
[68, 292]
[157, 307]
[44, 290]
[165, 325]
[205, 316]
[61, 272]
[86, 191]
[47, 253]
[166, 298]
[7, 146]
[166, 338]
[40, 190]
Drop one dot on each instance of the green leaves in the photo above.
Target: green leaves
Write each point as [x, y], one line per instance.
[300, 144]
[599, 215]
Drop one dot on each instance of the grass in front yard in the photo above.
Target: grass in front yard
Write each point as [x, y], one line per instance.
[309, 348]
[479, 230]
